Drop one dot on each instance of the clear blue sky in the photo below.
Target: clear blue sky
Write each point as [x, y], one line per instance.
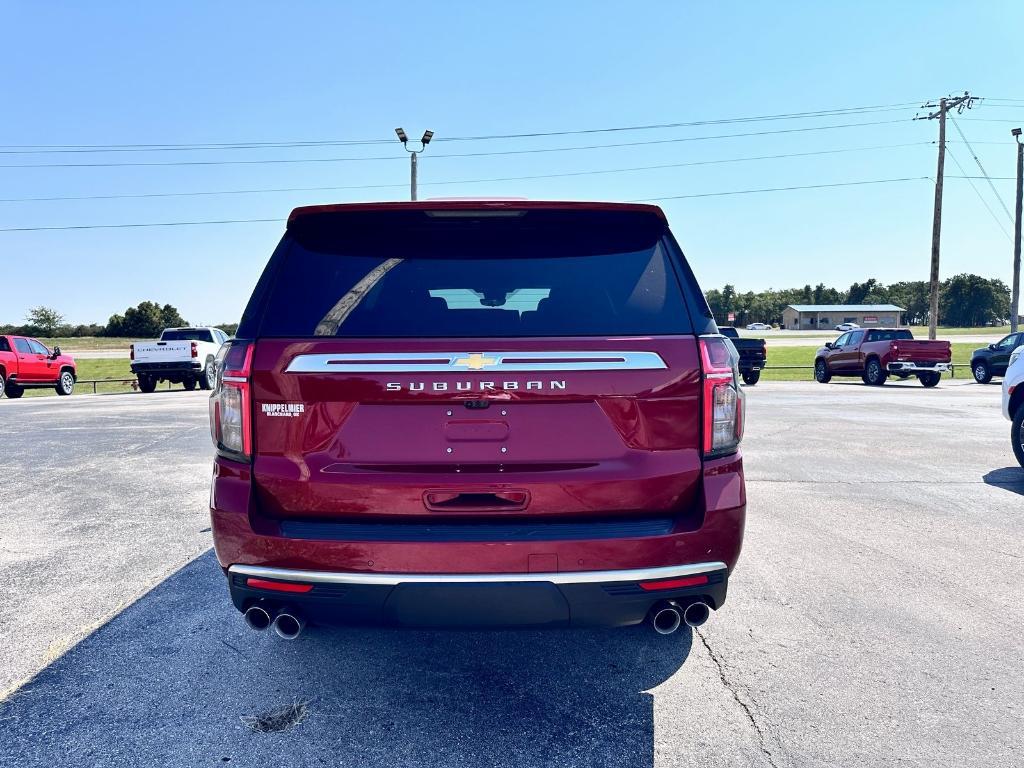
[131, 73]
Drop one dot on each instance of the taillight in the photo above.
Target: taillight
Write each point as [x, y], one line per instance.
[723, 398]
[195, 349]
[131, 354]
[230, 403]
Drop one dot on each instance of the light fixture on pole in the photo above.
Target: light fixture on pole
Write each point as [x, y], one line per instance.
[402, 137]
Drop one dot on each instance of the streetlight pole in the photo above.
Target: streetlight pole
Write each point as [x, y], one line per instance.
[1015, 287]
[427, 136]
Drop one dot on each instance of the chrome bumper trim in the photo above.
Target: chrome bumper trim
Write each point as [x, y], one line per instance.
[914, 367]
[393, 579]
[484, 362]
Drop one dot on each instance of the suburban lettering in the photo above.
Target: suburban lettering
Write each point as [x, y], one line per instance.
[469, 386]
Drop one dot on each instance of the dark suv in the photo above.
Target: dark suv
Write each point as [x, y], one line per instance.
[992, 360]
[477, 413]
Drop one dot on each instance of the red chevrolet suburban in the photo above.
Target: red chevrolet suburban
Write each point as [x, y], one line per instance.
[486, 413]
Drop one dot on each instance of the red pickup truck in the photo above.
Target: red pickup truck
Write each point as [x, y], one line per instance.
[26, 363]
[876, 353]
[477, 413]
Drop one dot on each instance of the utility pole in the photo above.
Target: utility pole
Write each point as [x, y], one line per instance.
[959, 103]
[1015, 287]
[412, 175]
[427, 136]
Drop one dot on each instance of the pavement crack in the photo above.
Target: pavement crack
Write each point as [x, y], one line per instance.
[233, 648]
[747, 710]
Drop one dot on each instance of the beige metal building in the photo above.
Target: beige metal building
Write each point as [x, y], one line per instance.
[812, 317]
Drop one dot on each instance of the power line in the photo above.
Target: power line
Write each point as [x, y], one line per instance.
[170, 147]
[139, 225]
[992, 119]
[278, 219]
[982, 169]
[291, 161]
[568, 174]
[779, 189]
[977, 192]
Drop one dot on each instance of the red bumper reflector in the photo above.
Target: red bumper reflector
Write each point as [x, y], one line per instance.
[690, 581]
[278, 586]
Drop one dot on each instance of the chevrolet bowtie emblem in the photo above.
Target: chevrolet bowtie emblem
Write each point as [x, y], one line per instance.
[475, 361]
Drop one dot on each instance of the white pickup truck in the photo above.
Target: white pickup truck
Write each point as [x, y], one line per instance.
[181, 356]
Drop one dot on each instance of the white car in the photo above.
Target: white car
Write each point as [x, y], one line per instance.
[1013, 401]
[847, 327]
[183, 356]
[759, 327]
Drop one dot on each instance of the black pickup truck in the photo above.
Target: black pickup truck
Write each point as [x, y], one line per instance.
[753, 354]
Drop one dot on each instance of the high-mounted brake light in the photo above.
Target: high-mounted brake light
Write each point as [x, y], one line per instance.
[231, 401]
[723, 398]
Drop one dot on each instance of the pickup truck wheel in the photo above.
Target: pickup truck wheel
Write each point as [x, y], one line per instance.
[1017, 434]
[147, 383]
[189, 384]
[929, 379]
[875, 375]
[65, 384]
[751, 377]
[822, 374]
[208, 378]
[982, 373]
[13, 391]
[3, 384]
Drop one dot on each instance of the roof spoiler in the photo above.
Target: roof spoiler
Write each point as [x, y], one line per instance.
[428, 206]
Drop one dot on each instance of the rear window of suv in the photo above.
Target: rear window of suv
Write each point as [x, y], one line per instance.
[537, 274]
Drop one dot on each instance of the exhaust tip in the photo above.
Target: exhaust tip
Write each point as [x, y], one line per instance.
[288, 626]
[666, 619]
[696, 614]
[257, 618]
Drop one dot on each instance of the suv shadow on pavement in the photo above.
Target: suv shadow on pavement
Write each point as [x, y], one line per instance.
[1008, 478]
[168, 680]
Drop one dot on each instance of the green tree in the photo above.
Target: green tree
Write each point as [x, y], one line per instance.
[714, 299]
[912, 295]
[824, 295]
[722, 302]
[148, 319]
[969, 300]
[46, 319]
[170, 317]
[728, 298]
[864, 293]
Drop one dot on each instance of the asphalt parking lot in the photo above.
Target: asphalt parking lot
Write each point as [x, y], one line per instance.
[874, 619]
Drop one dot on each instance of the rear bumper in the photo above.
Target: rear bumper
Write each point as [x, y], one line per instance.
[574, 578]
[582, 598]
[185, 366]
[912, 367]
